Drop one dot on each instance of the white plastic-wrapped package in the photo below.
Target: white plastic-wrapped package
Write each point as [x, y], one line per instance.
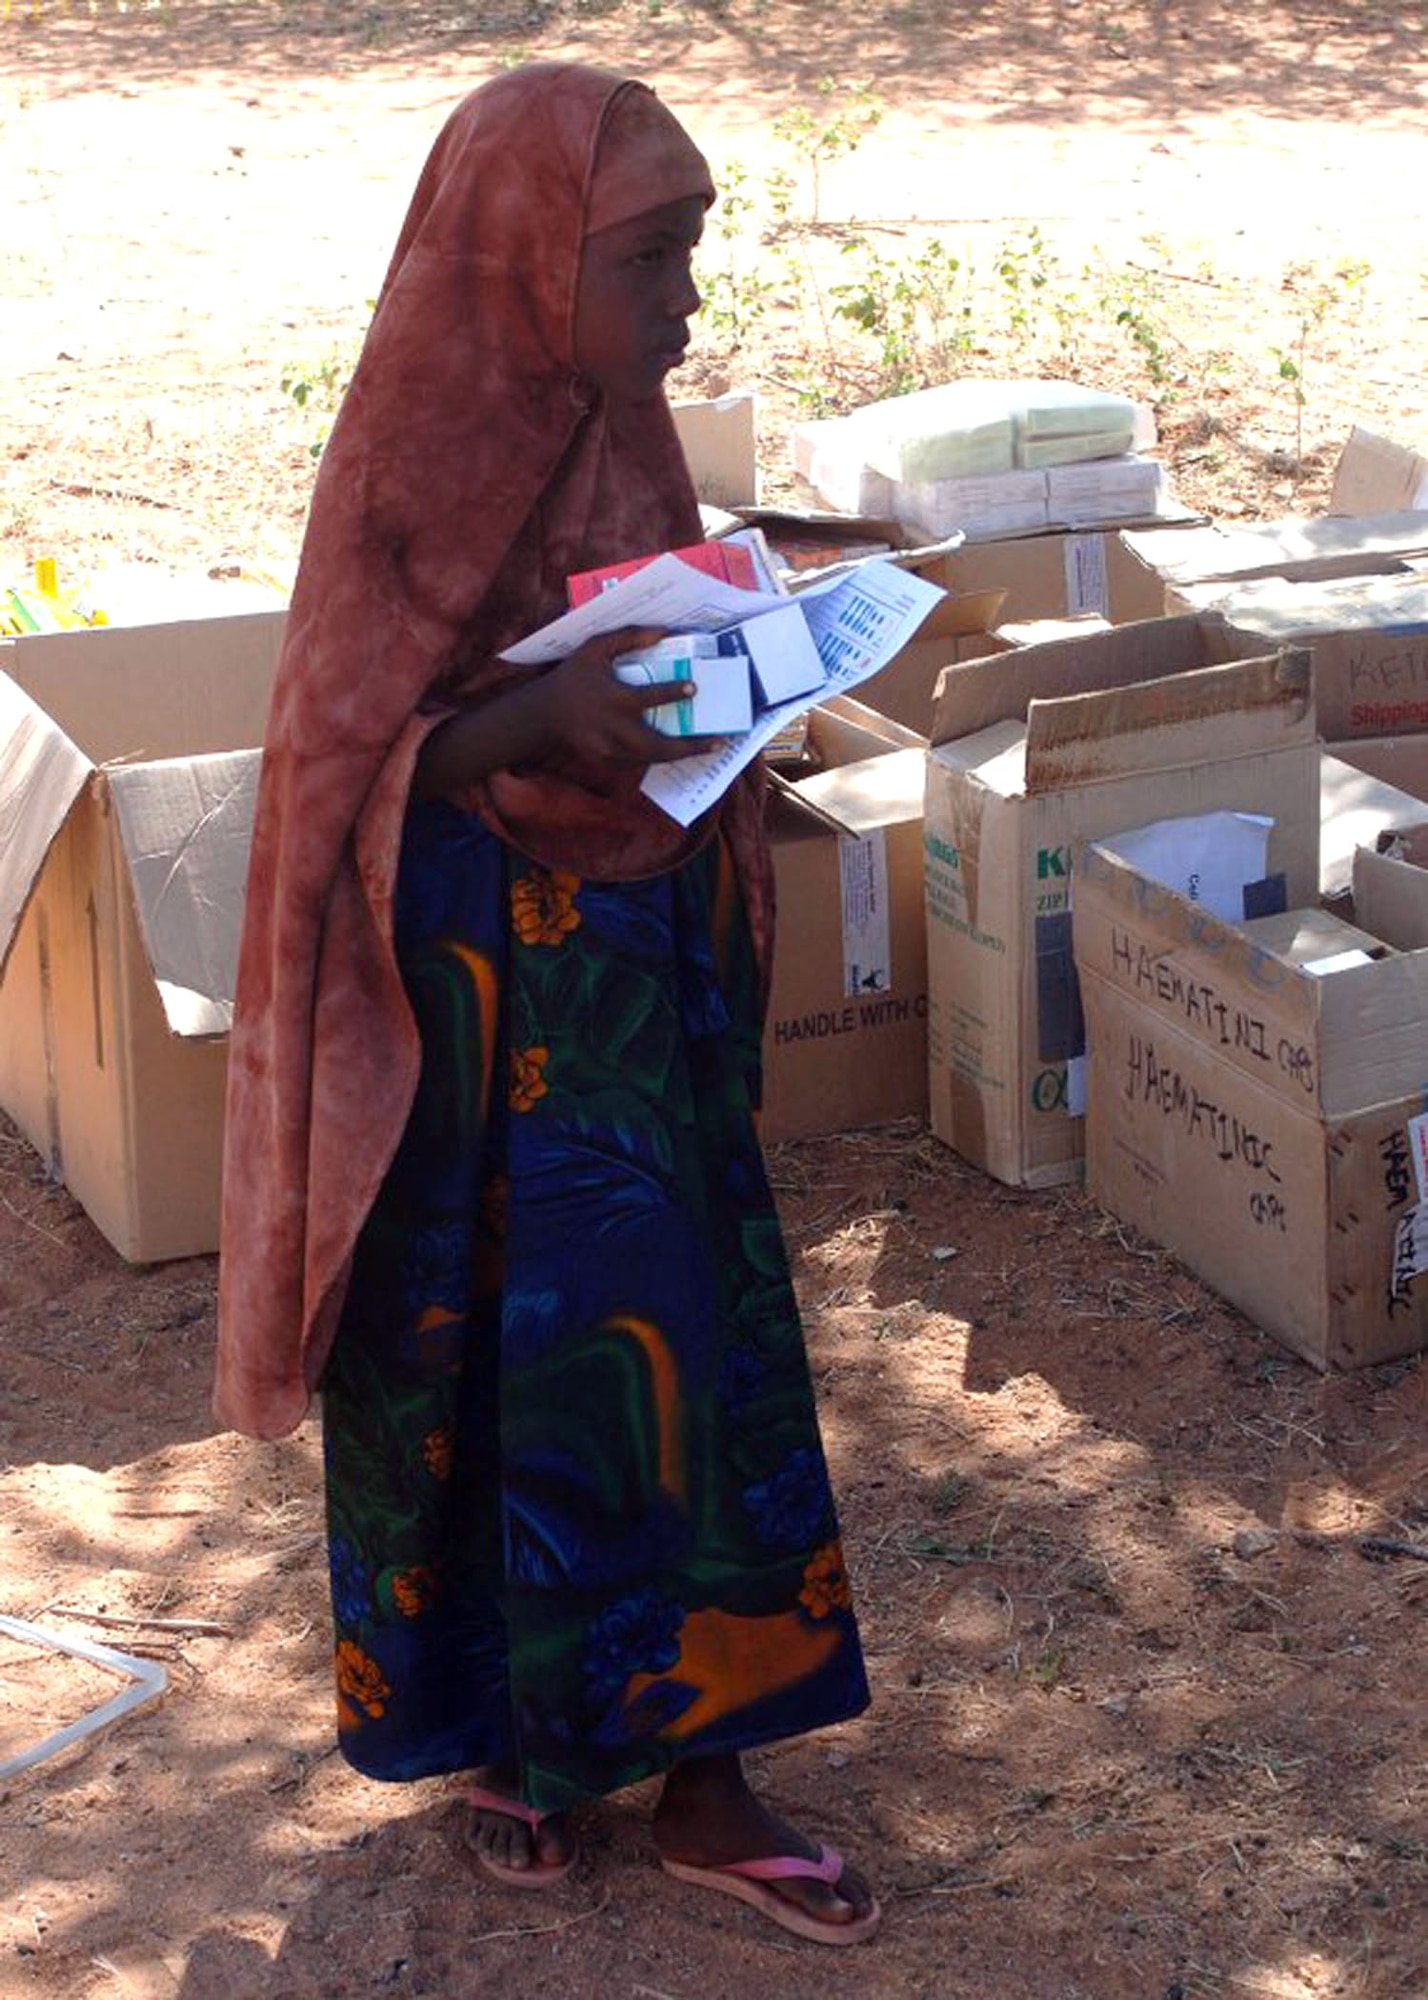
[962, 428]
[966, 430]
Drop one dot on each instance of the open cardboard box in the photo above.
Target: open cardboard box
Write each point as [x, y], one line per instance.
[127, 780]
[1034, 752]
[719, 438]
[845, 1043]
[1254, 1116]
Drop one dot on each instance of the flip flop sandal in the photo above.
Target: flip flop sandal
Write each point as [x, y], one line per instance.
[747, 1879]
[540, 1875]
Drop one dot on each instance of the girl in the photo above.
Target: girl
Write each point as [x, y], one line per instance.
[491, 1178]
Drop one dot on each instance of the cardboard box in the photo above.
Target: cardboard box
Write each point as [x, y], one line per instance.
[1212, 560]
[1034, 752]
[845, 1043]
[1369, 638]
[721, 448]
[1253, 1117]
[127, 780]
[1064, 574]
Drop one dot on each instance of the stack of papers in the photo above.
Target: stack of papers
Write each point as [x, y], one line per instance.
[851, 625]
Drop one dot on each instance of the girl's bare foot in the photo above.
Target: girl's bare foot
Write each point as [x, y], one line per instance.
[507, 1843]
[707, 1818]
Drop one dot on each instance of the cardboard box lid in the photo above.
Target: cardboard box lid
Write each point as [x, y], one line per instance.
[185, 826]
[872, 774]
[1376, 476]
[1159, 725]
[1303, 937]
[1208, 713]
[42, 773]
[1133, 698]
[875, 792]
[973, 694]
[1308, 607]
[1324, 547]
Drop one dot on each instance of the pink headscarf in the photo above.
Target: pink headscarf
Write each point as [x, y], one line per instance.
[469, 472]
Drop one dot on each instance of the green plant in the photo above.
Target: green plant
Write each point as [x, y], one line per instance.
[1134, 300]
[317, 388]
[918, 310]
[1025, 269]
[736, 292]
[1317, 298]
[829, 131]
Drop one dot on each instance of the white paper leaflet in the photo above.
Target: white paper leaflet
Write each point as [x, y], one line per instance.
[1418, 1147]
[858, 622]
[666, 594]
[867, 955]
[1209, 857]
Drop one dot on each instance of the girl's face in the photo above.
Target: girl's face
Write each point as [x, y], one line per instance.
[634, 300]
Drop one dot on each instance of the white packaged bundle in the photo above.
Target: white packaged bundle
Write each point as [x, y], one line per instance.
[828, 453]
[997, 503]
[966, 430]
[1105, 489]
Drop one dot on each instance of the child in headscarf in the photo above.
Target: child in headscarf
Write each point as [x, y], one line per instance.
[491, 1179]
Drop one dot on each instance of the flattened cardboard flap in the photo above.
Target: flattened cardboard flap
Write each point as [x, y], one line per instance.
[1391, 891]
[42, 773]
[873, 793]
[1159, 725]
[1323, 547]
[973, 694]
[185, 826]
[1376, 476]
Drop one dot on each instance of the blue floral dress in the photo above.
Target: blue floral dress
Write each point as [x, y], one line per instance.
[578, 1512]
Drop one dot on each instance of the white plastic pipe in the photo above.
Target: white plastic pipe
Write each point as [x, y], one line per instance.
[148, 1679]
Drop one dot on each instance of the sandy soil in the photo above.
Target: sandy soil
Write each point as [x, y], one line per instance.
[1148, 1720]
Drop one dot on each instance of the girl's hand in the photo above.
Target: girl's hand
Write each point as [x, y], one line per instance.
[575, 710]
[589, 714]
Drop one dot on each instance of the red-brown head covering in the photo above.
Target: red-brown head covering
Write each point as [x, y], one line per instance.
[469, 472]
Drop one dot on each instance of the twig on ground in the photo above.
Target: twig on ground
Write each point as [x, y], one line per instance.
[29, 1223]
[542, 1930]
[81, 492]
[1179, 277]
[194, 1627]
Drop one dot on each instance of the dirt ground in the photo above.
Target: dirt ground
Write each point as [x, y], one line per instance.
[1148, 1720]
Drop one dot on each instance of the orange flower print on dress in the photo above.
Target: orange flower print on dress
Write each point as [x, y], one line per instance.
[527, 1082]
[543, 906]
[414, 1590]
[438, 1448]
[825, 1583]
[359, 1685]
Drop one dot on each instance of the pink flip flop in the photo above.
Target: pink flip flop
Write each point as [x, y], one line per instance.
[541, 1875]
[746, 1880]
